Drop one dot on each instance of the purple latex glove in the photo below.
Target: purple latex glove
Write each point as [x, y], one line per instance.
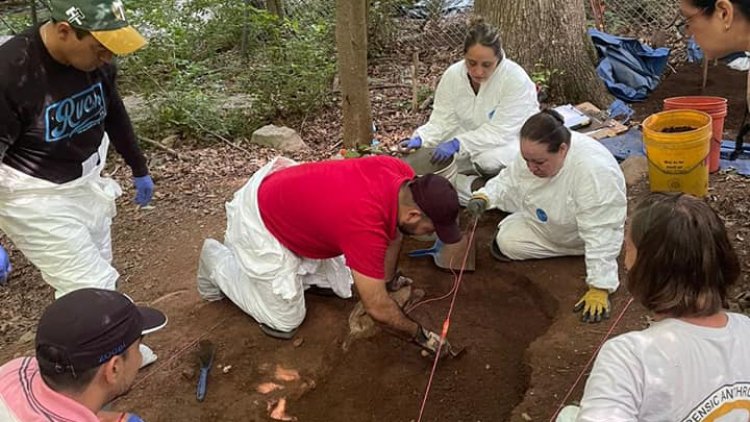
[144, 190]
[445, 151]
[413, 143]
[5, 267]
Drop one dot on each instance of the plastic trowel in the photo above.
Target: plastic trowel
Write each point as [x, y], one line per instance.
[450, 256]
[206, 352]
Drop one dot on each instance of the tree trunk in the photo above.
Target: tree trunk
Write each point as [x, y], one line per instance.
[553, 34]
[351, 43]
[276, 7]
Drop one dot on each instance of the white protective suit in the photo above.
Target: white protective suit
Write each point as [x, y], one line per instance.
[671, 371]
[581, 210]
[64, 230]
[486, 124]
[257, 273]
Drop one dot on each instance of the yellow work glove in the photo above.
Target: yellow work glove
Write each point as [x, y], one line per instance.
[594, 304]
[478, 204]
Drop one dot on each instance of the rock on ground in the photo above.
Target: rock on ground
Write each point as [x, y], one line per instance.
[634, 168]
[278, 137]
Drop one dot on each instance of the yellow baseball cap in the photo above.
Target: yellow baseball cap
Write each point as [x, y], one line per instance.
[104, 19]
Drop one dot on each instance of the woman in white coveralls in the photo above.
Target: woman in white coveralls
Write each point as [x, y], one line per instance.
[480, 104]
[566, 195]
[692, 364]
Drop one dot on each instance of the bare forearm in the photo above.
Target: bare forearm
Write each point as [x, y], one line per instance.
[391, 258]
[394, 320]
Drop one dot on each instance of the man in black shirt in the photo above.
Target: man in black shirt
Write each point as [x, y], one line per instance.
[59, 111]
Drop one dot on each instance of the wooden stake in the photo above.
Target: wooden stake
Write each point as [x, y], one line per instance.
[705, 73]
[415, 83]
[161, 146]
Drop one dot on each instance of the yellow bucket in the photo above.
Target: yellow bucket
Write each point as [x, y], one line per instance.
[677, 145]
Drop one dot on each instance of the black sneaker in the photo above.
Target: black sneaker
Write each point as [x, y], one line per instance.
[281, 335]
[320, 291]
[496, 253]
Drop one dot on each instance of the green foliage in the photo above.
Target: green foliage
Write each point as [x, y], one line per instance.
[216, 67]
[423, 93]
[14, 22]
[542, 76]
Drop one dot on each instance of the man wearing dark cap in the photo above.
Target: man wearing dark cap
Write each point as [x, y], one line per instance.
[324, 225]
[59, 111]
[87, 354]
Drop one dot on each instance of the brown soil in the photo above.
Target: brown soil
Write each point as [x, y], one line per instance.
[677, 129]
[524, 346]
[722, 82]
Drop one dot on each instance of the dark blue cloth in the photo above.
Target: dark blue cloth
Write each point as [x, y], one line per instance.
[629, 69]
[619, 110]
[626, 144]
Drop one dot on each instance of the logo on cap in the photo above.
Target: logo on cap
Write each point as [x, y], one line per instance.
[118, 349]
[118, 10]
[75, 15]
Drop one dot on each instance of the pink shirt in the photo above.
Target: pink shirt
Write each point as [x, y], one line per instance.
[24, 397]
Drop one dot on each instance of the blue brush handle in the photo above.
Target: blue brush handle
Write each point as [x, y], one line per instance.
[202, 380]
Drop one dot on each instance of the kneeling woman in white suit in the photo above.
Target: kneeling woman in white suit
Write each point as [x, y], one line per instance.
[566, 195]
[480, 105]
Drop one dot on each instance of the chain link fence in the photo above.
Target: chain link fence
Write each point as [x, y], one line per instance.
[634, 18]
[286, 65]
[428, 24]
[650, 21]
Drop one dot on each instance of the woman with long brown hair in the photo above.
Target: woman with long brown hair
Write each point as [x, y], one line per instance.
[693, 362]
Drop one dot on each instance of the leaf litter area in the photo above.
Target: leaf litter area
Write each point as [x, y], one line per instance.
[156, 253]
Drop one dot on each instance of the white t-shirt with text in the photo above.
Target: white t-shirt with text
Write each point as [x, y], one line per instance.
[672, 371]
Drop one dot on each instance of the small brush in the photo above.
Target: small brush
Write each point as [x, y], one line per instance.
[206, 352]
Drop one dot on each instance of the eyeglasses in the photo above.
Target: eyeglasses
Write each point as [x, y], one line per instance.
[683, 22]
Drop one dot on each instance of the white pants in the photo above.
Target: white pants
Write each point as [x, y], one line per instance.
[520, 239]
[468, 172]
[64, 230]
[257, 273]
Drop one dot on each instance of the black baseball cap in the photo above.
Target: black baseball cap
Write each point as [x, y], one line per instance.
[438, 199]
[87, 327]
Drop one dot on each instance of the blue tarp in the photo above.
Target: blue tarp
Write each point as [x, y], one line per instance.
[631, 143]
[626, 144]
[629, 69]
[741, 164]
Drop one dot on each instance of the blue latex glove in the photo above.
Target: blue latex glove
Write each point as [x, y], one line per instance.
[144, 190]
[5, 267]
[445, 151]
[413, 143]
[133, 418]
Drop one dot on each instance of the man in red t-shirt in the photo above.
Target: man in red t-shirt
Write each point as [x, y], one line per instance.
[325, 224]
